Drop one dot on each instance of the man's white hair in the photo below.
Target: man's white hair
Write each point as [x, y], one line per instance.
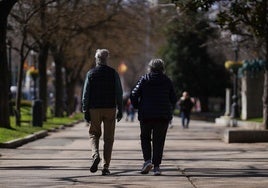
[101, 56]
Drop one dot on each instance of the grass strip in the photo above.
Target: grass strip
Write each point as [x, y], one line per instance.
[26, 128]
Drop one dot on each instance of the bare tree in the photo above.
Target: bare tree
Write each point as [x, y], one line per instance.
[105, 25]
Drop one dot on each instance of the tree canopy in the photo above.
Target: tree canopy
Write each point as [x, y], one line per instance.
[248, 18]
[189, 63]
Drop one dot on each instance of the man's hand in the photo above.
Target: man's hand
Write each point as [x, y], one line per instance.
[119, 115]
[87, 116]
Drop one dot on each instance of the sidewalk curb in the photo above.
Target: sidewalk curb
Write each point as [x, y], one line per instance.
[21, 141]
[245, 136]
[32, 137]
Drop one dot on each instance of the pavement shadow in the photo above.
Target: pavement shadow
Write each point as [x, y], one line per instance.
[225, 172]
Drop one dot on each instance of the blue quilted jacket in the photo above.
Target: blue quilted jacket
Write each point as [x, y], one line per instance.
[154, 97]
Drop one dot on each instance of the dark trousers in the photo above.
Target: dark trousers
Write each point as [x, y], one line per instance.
[153, 136]
[185, 119]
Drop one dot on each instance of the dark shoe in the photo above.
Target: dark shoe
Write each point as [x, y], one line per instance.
[157, 171]
[147, 166]
[95, 163]
[105, 172]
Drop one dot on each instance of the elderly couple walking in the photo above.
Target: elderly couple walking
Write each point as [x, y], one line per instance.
[153, 96]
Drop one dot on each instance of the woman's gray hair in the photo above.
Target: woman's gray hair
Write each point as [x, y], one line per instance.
[156, 65]
[101, 56]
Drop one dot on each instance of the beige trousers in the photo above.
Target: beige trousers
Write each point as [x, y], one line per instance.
[107, 117]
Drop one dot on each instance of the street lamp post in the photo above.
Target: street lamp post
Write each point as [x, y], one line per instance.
[37, 119]
[235, 112]
[9, 45]
[34, 77]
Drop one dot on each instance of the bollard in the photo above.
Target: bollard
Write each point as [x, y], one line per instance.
[37, 119]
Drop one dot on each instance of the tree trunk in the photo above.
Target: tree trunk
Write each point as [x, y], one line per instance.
[59, 94]
[60, 101]
[5, 7]
[42, 62]
[19, 89]
[42, 66]
[265, 87]
[204, 103]
[4, 77]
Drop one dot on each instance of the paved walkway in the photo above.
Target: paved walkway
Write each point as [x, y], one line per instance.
[193, 158]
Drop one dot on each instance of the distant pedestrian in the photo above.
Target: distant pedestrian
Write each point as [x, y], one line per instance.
[130, 111]
[155, 99]
[185, 105]
[102, 94]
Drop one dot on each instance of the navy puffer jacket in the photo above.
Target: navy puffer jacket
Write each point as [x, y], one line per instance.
[154, 97]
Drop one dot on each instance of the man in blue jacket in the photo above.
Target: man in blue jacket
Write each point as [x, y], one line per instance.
[102, 97]
[155, 99]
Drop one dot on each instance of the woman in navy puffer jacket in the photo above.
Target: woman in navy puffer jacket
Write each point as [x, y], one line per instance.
[155, 99]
